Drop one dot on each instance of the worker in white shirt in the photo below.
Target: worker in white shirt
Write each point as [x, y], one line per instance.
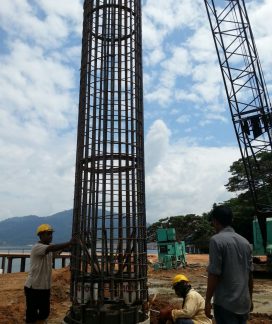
[38, 283]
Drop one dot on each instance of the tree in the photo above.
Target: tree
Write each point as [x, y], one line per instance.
[243, 205]
[261, 176]
[197, 230]
[191, 228]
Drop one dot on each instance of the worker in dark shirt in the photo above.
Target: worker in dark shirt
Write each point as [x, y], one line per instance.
[229, 272]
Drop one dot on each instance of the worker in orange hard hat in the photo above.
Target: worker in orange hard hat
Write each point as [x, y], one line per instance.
[38, 283]
[192, 310]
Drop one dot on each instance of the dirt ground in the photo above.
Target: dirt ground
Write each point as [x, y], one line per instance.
[12, 303]
[160, 281]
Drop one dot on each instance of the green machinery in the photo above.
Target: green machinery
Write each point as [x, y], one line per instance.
[258, 248]
[171, 254]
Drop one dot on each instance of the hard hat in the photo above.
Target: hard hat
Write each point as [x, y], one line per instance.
[44, 228]
[178, 278]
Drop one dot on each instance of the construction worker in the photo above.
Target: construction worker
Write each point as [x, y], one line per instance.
[229, 272]
[38, 283]
[192, 310]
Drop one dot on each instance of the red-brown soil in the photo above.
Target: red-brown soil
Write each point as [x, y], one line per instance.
[12, 303]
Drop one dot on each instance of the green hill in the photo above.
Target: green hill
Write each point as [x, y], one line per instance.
[18, 231]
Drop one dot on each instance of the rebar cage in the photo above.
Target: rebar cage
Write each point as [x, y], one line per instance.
[247, 96]
[110, 265]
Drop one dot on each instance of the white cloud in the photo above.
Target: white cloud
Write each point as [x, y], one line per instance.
[184, 178]
[36, 168]
[207, 91]
[34, 86]
[152, 37]
[193, 58]
[39, 72]
[194, 54]
[173, 14]
[176, 65]
[183, 119]
[161, 95]
[260, 17]
[70, 10]
[261, 23]
[201, 44]
[179, 63]
[38, 107]
[154, 57]
[161, 18]
[182, 95]
[157, 144]
[50, 28]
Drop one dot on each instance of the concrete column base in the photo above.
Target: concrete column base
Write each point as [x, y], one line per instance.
[113, 314]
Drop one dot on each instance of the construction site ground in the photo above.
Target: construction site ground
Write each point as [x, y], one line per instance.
[12, 302]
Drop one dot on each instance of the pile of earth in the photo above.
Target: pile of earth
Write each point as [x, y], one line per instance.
[12, 301]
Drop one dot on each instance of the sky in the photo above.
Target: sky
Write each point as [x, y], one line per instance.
[189, 136]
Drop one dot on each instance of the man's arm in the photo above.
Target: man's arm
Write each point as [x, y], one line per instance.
[61, 246]
[214, 272]
[58, 247]
[250, 287]
[190, 308]
[211, 285]
[250, 278]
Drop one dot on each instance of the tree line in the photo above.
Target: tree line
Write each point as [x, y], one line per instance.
[197, 229]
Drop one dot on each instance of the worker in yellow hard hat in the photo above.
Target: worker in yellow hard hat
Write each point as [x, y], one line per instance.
[38, 283]
[44, 228]
[192, 310]
[179, 278]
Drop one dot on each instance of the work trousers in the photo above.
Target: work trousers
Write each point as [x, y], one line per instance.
[37, 304]
[178, 321]
[223, 316]
[183, 321]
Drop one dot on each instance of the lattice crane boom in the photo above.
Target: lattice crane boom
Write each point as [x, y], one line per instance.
[247, 96]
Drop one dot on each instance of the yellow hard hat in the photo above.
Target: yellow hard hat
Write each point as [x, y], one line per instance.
[178, 278]
[44, 228]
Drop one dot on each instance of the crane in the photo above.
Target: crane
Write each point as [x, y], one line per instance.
[248, 99]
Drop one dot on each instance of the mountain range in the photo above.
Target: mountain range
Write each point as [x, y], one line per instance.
[17, 231]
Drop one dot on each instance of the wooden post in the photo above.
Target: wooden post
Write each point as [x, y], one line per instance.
[10, 259]
[3, 263]
[54, 263]
[63, 262]
[23, 263]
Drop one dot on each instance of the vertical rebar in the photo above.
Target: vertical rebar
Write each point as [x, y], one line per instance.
[110, 266]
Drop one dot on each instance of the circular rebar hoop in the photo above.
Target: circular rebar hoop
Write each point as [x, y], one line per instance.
[110, 266]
